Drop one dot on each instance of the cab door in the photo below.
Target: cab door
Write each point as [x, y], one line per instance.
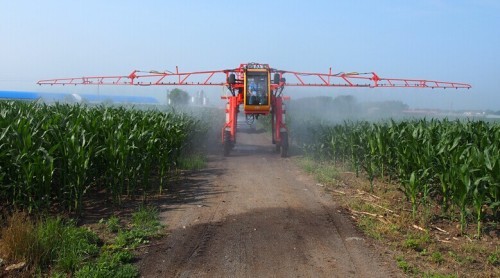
[257, 97]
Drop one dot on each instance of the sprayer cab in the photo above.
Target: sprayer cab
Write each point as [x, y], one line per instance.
[255, 85]
[257, 97]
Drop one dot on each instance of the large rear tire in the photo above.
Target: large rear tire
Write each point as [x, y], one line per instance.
[227, 143]
[284, 144]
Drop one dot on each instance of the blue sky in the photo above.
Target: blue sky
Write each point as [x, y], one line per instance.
[448, 40]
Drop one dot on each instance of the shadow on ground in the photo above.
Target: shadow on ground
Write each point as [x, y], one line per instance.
[187, 187]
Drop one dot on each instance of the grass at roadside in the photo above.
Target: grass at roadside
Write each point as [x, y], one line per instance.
[429, 245]
[58, 248]
[323, 172]
[193, 161]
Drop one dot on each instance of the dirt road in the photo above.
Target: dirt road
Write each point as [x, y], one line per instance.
[254, 214]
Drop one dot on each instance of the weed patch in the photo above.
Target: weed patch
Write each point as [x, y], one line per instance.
[405, 266]
[437, 257]
[57, 247]
[110, 264]
[192, 162]
[417, 242]
[325, 173]
[493, 259]
[113, 224]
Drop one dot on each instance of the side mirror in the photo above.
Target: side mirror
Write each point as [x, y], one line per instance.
[276, 79]
[231, 79]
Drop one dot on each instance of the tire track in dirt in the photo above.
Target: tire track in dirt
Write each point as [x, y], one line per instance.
[254, 214]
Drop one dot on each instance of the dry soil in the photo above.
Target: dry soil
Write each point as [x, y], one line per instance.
[254, 214]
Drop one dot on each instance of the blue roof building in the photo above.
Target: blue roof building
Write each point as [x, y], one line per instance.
[19, 95]
[92, 98]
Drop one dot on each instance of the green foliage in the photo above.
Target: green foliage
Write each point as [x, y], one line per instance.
[369, 226]
[145, 225]
[404, 265]
[110, 264]
[309, 165]
[437, 257]
[49, 234]
[192, 162]
[131, 238]
[178, 97]
[146, 217]
[78, 245]
[113, 224]
[456, 164]
[413, 243]
[494, 258]
[57, 154]
[324, 172]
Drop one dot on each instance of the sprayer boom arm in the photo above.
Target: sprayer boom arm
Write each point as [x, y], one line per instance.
[219, 78]
[145, 78]
[368, 80]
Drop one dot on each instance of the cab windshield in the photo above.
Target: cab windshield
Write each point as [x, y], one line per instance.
[257, 88]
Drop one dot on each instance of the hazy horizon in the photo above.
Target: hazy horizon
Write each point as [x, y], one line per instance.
[430, 39]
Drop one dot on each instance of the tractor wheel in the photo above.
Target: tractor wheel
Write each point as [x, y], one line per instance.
[284, 144]
[227, 143]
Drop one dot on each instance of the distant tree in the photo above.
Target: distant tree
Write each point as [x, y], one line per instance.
[393, 107]
[384, 109]
[178, 97]
[345, 105]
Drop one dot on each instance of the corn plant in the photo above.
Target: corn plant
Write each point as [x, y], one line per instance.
[56, 154]
[456, 162]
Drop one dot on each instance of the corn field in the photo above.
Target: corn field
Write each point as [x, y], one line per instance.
[53, 155]
[453, 163]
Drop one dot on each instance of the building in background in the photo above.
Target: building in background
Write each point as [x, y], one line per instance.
[76, 98]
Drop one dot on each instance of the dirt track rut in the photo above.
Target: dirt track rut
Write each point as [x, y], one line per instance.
[254, 214]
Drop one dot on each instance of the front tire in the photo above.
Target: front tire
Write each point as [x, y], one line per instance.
[284, 144]
[227, 143]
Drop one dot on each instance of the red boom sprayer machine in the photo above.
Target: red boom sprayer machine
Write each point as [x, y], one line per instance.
[258, 88]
